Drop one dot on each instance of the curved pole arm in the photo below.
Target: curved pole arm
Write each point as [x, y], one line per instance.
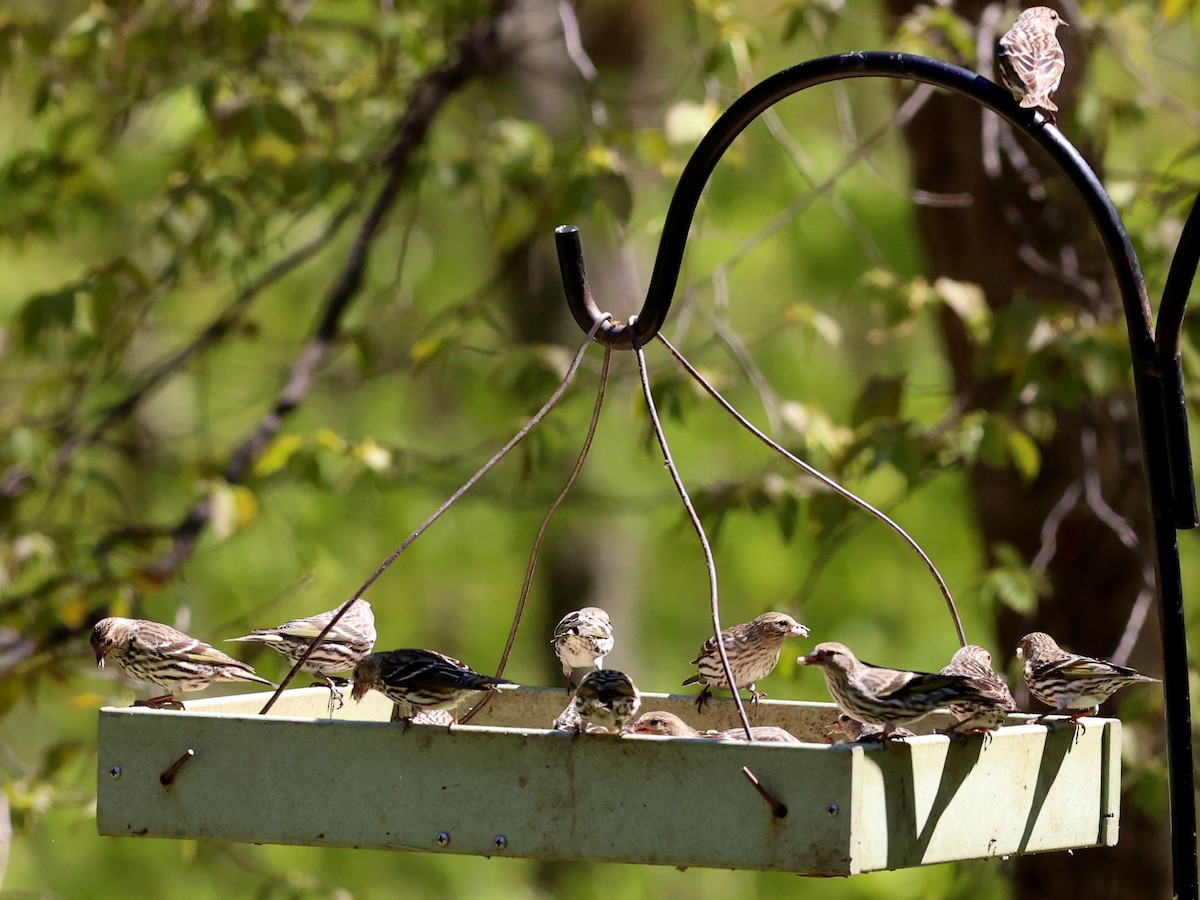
[1168, 337]
[762, 96]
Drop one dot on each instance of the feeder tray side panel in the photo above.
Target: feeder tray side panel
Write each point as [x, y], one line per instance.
[490, 792]
[1026, 790]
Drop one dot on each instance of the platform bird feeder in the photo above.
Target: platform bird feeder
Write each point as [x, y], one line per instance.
[505, 785]
[508, 785]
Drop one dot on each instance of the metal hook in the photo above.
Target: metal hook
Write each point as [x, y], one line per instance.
[777, 809]
[168, 777]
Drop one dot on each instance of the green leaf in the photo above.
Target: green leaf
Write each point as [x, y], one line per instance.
[53, 311]
[277, 454]
[232, 508]
[880, 398]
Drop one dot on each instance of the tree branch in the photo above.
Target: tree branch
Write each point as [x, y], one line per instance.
[476, 52]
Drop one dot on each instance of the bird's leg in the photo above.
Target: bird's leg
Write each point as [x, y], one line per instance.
[705, 693]
[164, 701]
[1074, 718]
[335, 695]
[889, 736]
[756, 695]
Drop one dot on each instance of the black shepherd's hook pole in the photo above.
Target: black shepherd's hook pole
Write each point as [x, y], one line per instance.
[1158, 374]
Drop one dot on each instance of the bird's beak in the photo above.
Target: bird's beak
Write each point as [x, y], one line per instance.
[360, 690]
[799, 630]
[810, 660]
[100, 654]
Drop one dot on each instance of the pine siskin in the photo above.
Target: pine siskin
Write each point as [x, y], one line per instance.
[887, 697]
[424, 679]
[1031, 59]
[670, 725]
[850, 730]
[753, 649]
[607, 698]
[1068, 681]
[159, 654]
[352, 638]
[661, 722]
[975, 664]
[763, 734]
[582, 639]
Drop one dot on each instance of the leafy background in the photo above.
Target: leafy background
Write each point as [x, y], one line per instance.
[278, 276]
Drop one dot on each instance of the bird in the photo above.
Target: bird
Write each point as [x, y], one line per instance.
[423, 679]
[352, 638]
[1031, 58]
[668, 724]
[888, 697]
[582, 639]
[975, 664]
[607, 698]
[1069, 682]
[161, 655]
[849, 730]
[753, 649]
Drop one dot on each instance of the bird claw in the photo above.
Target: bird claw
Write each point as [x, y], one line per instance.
[335, 695]
[1079, 727]
[166, 701]
[705, 693]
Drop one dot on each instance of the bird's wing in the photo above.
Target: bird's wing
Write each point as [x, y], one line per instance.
[1083, 667]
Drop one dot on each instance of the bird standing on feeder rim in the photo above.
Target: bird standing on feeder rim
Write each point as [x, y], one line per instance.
[607, 698]
[161, 655]
[1031, 59]
[582, 639]
[975, 664]
[886, 697]
[753, 650]
[352, 638]
[849, 730]
[424, 679]
[1069, 682]
[668, 724]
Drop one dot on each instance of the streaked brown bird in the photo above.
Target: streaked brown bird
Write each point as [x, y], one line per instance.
[980, 717]
[607, 698]
[1071, 683]
[670, 725]
[1031, 59]
[582, 639]
[352, 638]
[887, 697]
[423, 679]
[851, 731]
[161, 655]
[753, 649]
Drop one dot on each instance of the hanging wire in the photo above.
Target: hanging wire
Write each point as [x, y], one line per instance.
[827, 481]
[537, 541]
[437, 514]
[709, 564]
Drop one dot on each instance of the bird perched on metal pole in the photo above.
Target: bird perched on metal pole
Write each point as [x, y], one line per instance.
[1031, 58]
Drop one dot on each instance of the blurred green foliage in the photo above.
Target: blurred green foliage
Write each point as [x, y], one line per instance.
[172, 167]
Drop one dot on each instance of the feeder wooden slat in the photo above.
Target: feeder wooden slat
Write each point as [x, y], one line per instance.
[504, 786]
